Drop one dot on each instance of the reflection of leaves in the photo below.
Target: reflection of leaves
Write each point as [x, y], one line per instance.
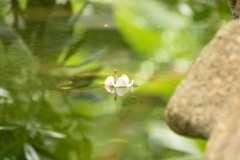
[70, 146]
[45, 113]
[95, 57]
[83, 80]
[52, 134]
[30, 152]
[7, 32]
[20, 55]
[81, 83]
[161, 136]
[76, 16]
[12, 139]
[2, 55]
[88, 96]
[7, 128]
[86, 148]
[10, 151]
[143, 22]
[44, 153]
[56, 29]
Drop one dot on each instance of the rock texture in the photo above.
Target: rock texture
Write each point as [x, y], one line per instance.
[224, 142]
[202, 98]
[206, 104]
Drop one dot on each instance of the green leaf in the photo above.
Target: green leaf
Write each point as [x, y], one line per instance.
[7, 128]
[30, 152]
[52, 134]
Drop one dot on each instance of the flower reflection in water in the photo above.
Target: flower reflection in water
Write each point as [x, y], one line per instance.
[122, 84]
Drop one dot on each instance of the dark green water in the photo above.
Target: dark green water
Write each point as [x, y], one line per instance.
[55, 56]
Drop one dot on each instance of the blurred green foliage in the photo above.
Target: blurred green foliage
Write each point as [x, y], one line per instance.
[43, 43]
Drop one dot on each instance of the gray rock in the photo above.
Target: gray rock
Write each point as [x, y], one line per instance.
[201, 99]
[224, 142]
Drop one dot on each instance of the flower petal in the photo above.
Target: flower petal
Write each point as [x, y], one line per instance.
[121, 82]
[109, 81]
[130, 84]
[125, 78]
[121, 91]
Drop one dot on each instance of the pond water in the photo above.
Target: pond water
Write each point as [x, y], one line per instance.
[55, 57]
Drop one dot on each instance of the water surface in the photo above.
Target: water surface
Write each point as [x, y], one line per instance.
[54, 58]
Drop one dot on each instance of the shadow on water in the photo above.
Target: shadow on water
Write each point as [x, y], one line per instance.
[46, 114]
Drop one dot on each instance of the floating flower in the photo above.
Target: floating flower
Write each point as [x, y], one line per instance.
[122, 84]
[122, 81]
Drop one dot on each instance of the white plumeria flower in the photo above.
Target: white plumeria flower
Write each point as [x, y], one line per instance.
[122, 81]
[122, 85]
